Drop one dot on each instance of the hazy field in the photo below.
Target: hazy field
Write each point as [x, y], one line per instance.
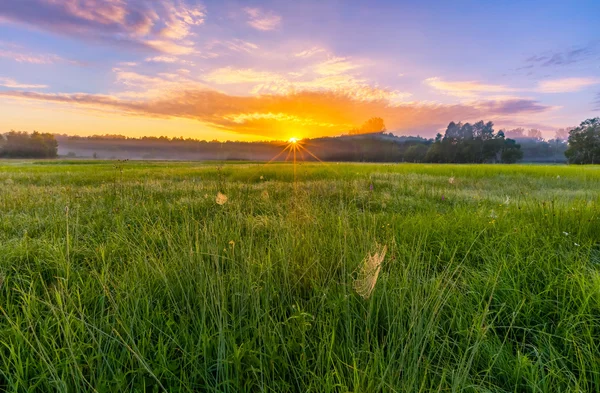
[130, 277]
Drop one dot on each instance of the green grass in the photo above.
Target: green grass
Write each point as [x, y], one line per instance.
[128, 277]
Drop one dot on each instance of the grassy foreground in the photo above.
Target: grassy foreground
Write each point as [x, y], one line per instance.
[129, 277]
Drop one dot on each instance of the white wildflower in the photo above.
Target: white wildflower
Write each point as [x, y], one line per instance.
[221, 199]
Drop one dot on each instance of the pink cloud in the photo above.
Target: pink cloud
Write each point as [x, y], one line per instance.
[161, 25]
[261, 20]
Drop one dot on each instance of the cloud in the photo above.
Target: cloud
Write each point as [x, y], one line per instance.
[11, 83]
[596, 103]
[235, 45]
[29, 58]
[334, 66]
[566, 85]
[562, 58]
[343, 84]
[305, 113]
[310, 52]
[18, 54]
[261, 20]
[162, 25]
[162, 59]
[141, 86]
[230, 75]
[466, 88]
[266, 82]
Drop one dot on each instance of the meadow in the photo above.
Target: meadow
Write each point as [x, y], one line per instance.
[245, 277]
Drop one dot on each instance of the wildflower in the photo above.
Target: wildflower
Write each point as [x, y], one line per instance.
[493, 214]
[369, 272]
[221, 199]
[232, 244]
[566, 233]
[261, 177]
[371, 187]
[576, 244]
[451, 180]
[443, 198]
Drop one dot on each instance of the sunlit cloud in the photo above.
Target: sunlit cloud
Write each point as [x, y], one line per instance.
[310, 52]
[29, 58]
[163, 25]
[566, 85]
[162, 59]
[12, 84]
[230, 75]
[344, 84]
[235, 45]
[466, 88]
[305, 113]
[261, 20]
[142, 86]
[20, 55]
[334, 66]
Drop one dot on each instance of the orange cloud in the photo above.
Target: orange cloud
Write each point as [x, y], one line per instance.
[304, 114]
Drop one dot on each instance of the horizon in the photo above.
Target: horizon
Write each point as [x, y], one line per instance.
[271, 71]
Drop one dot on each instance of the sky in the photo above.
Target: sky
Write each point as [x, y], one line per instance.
[263, 70]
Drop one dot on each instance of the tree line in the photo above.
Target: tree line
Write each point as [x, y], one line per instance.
[16, 144]
[460, 143]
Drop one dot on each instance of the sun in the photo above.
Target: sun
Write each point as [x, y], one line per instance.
[293, 140]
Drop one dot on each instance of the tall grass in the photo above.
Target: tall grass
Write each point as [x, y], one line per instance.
[131, 277]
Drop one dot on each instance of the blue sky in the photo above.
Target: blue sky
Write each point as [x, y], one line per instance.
[276, 69]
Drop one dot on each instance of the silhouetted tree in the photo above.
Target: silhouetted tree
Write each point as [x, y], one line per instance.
[584, 143]
[416, 153]
[511, 151]
[535, 134]
[374, 124]
[467, 142]
[23, 145]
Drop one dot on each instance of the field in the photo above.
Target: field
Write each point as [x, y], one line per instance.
[130, 277]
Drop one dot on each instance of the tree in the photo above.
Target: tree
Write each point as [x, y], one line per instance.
[23, 145]
[584, 143]
[562, 134]
[511, 152]
[535, 134]
[515, 133]
[416, 153]
[374, 124]
[467, 143]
